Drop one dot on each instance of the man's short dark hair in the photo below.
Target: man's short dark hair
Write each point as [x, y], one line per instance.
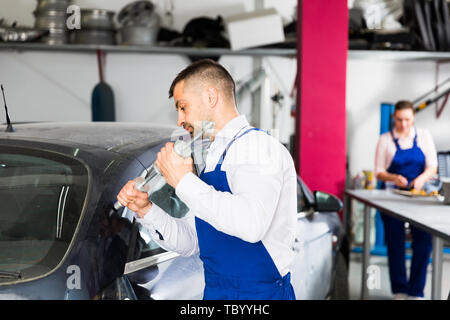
[207, 70]
[404, 104]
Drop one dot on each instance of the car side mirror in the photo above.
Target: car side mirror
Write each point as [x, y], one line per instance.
[326, 202]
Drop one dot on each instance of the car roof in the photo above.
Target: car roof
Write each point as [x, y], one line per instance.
[105, 135]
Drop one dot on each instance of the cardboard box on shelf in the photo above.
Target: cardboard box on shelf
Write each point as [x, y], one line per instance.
[256, 28]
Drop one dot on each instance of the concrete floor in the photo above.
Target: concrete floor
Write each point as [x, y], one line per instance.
[381, 289]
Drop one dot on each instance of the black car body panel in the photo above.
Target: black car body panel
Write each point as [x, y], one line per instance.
[104, 245]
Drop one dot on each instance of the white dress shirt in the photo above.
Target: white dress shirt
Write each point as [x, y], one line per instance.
[386, 148]
[262, 204]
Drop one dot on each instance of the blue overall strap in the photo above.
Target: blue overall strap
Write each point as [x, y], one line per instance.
[396, 139]
[415, 137]
[237, 136]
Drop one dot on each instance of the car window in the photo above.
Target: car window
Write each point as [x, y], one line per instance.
[305, 197]
[42, 196]
[301, 200]
[164, 196]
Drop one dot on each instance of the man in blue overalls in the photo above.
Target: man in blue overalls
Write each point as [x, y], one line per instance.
[243, 204]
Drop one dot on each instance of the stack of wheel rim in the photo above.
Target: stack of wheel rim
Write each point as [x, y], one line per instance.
[52, 15]
[97, 28]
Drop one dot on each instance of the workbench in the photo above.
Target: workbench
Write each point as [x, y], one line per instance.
[427, 213]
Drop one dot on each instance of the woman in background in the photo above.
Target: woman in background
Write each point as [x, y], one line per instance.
[406, 157]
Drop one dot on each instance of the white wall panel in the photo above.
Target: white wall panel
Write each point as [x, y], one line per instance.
[371, 82]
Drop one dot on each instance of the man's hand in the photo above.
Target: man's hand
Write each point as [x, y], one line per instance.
[172, 166]
[135, 200]
[401, 181]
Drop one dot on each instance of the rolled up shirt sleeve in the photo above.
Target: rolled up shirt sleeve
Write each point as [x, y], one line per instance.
[429, 149]
[381, 155]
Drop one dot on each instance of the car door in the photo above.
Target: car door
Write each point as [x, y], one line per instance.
[159, 274]
[312, 265]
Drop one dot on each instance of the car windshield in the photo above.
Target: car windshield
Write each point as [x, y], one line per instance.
[41, 199]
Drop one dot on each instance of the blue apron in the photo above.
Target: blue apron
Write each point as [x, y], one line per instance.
[236, 269]
[409, 163]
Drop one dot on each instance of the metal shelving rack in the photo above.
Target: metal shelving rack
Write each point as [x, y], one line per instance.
[391, 55]
[258, 52]
[381, 55]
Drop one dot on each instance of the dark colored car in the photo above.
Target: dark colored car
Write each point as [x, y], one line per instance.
[59, 238]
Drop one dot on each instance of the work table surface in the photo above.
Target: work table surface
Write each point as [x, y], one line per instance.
[427, 213]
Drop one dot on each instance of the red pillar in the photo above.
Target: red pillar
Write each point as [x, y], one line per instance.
[320, 143]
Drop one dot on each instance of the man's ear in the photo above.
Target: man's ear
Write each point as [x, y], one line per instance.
[212, 96]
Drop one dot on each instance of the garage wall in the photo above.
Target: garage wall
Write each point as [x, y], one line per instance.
[57, 86]
[50, 86]
[371, 82]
